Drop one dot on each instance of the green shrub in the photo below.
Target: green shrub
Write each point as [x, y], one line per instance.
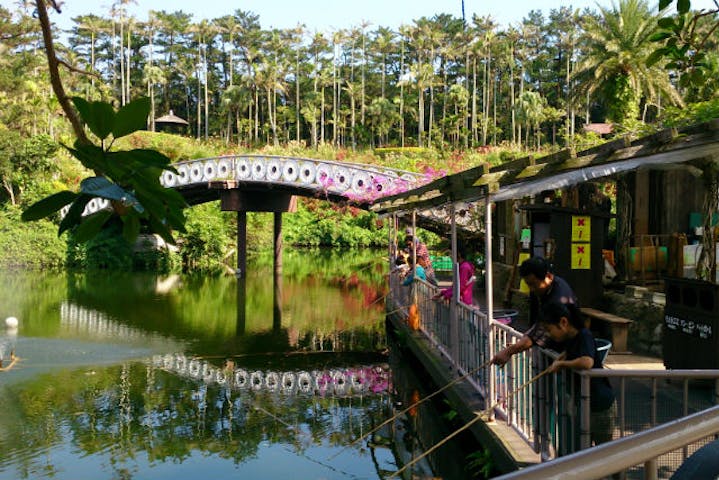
[317, 223]
[109, 250]
[33, 244]
[207, 239]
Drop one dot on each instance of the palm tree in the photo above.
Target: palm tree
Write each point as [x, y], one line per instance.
[354, 91]
[530, 110]
[234, 100]
[614, 68]
[228, 27]
[384, 45]
[204, 33]
[382, 114]
[153, 75]
[173, 27]
[92, 25]
[268, 77]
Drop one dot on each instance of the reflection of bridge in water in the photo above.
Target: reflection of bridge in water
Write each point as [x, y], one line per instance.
[355, 381]
[342, 382]
[98, 325]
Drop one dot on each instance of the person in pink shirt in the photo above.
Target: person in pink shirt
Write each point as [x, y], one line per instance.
[466, 280]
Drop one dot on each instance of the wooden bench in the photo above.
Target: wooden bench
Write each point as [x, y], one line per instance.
[618, 327]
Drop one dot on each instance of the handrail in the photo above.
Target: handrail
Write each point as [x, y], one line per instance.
[612, 457]
[538, 413]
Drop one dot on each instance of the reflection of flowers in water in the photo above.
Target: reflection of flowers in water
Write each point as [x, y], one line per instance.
[373, 379]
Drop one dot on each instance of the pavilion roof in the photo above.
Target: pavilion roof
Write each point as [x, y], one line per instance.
[171, 118]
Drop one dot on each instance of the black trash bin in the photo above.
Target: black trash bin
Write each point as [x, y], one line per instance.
[691, 324]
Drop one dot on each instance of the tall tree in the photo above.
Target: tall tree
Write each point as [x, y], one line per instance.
[614, 67]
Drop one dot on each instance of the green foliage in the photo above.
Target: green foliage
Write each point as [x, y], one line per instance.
[383, 152]
[625, 100]
[128, 179]
[152, 259]
[29, 245]
[109, 250]
[175, 147]
[315, 225]
[206, 239]
[23, 162]
[685, 40]
[451, 413]
[693, 113]
[480, 464]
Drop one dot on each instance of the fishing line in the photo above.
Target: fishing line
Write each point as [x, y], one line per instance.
[480, 416]
[306, 434]
[414, 405]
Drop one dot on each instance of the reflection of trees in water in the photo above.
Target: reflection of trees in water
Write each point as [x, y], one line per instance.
[137, 408]
[323, 292]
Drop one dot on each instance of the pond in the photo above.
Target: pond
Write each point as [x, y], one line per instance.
[129, 376]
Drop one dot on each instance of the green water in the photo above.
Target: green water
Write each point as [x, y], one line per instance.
[146, 377]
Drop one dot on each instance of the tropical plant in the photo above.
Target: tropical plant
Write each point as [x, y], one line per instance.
[128, 179]
[685, 41]
[614, 68]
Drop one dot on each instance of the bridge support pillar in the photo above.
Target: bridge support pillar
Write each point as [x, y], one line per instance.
[243, 201]
[277, 277]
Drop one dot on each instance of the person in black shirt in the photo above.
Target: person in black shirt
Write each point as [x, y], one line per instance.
[579, 352]
[544, 287]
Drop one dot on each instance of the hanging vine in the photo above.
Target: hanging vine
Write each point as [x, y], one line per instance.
[706, 264]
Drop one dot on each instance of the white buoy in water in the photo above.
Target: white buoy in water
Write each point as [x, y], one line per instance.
[11, 322]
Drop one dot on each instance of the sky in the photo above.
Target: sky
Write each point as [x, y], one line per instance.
[329, 15]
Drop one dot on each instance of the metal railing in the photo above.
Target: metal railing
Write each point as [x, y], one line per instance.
[643, 448]
[552, 412]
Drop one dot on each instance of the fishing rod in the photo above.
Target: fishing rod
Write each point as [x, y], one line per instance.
[414, 405]
[478, 417]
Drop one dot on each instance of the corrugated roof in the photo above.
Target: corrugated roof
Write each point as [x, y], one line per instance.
[527, 176]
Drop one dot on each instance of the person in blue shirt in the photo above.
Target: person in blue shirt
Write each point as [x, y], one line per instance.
[579, 352]
[419, 271]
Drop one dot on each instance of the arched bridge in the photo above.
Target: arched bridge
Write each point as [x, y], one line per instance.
[196, 179]
[203, 180]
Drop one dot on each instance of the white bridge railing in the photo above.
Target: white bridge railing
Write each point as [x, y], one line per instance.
[356, 182]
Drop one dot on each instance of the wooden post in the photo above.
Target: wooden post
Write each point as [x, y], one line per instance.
[489, 298]
[454, 303]
[241, 271]
[277, 277]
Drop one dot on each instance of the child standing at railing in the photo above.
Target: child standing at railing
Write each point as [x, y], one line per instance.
[466, 280]
[579, 352]
[419, 271]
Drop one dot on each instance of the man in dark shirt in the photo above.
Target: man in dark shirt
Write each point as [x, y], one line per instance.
[544, 287]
